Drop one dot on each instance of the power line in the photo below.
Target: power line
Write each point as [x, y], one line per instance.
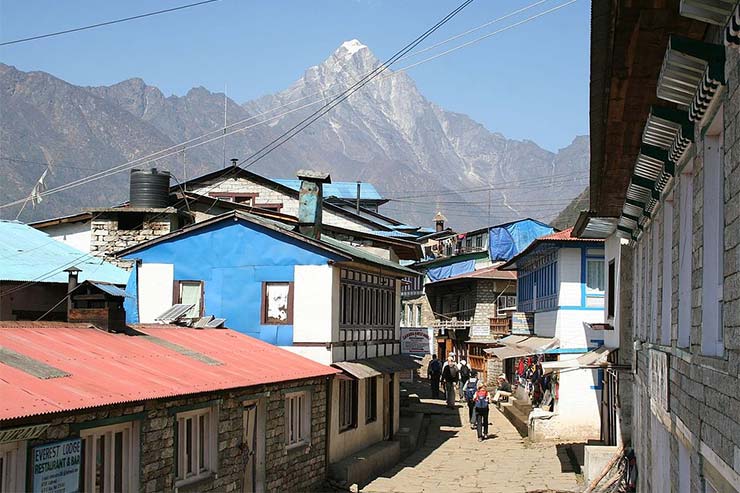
[183, 145]
[107, 23]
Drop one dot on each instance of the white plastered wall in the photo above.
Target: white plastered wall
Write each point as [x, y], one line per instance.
[155, 290]
[569, 276]
[76, 235]
[611, 253]
[315, 303]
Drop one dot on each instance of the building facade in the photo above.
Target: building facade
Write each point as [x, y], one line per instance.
[674, 219]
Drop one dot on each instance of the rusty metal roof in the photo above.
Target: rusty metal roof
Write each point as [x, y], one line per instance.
[106, 368]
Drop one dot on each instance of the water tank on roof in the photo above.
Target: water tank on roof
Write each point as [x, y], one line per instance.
[149, 188]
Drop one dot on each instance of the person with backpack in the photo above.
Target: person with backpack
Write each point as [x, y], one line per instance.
[450, 376]
[464, 376]
[481, 411]
[434, 372]
[469, 390]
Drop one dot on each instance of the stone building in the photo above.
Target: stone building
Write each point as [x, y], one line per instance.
[665, 193]
[158, 408]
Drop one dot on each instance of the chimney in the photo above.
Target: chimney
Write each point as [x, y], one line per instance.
[310, 198]
[99, 304]
[72, 281]
[439, 222]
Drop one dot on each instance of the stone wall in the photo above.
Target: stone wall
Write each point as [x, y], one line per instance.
[703, 419]
[299, 469]
[106, 238]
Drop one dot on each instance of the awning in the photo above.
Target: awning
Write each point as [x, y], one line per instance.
[393, 363]
[597, 357]
[732, 30]
[356, 369]
[373, 367]
[517, 346]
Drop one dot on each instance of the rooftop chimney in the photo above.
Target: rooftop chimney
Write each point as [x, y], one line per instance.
[71, 283]
[439, 222]
[310, 198]
[99, 304]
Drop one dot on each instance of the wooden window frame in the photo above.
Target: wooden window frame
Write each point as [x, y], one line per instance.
[371, 399]
[348, 417]
[232, 196]
[611, 281]
[13, 473]
[298, 418]
[130, 450]
[263, 303]
[269, 206]
[177, 293]
[210, 449]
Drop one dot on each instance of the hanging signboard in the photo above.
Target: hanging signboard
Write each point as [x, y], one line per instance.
[522, 323]
[415, 340]
[56, 467]
[480, 331]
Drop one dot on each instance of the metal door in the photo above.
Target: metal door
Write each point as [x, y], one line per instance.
[249, 449]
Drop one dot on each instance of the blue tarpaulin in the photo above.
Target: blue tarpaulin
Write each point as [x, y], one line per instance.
[507, 240]
[439, 273]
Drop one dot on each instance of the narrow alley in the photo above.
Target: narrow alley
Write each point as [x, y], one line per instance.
[450, 458]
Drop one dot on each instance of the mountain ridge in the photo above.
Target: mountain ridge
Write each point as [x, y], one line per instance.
[387, 133]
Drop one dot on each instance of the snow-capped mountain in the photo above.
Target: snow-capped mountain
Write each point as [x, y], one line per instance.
[386, 133]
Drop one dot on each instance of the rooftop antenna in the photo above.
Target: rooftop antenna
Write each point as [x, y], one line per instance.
[226, 100]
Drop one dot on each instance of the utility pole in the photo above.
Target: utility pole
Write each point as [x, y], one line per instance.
[224, 137]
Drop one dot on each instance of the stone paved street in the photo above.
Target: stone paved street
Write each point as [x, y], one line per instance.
[452, 459]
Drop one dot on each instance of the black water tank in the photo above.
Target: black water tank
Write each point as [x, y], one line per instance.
[149, 188]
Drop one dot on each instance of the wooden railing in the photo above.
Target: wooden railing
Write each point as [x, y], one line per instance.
[500, 326]
[451, 324]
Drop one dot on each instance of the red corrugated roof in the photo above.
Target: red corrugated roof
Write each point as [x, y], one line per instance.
[108, 368]
[565, 235]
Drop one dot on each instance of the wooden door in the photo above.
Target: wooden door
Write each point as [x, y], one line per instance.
[250, 449]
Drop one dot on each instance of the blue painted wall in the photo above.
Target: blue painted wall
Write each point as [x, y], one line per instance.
[233, 258]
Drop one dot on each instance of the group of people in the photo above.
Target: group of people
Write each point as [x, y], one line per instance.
[469, 389]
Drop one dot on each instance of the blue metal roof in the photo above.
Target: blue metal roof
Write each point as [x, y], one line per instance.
[27, 254]
[392, 234]
[340, 189]
[111, 289]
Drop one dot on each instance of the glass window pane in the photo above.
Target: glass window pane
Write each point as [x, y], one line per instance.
[202, 441]
[118, 462]
[190, 295]
[189, 445]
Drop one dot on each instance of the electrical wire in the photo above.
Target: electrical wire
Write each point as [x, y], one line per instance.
[107, 23]
[183, 145]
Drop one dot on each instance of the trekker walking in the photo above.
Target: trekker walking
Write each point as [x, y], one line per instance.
[450, 376]
[434, 372]
[481, 412]
[469, 390]
[464, 376]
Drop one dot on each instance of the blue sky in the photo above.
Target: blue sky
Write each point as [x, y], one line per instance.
[527, 83]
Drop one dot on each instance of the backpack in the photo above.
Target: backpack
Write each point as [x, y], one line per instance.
[482, 403]
[453, 372]
[464, 373]
[470, 389]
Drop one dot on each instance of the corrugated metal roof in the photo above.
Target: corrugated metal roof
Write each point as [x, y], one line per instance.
[392, 234]
[27, 254]
[357, 369]
[360, 255]
[107, 368]
[486, 273]
[339, 189]
[111, 289]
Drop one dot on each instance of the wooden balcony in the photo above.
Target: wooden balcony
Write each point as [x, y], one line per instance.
[453, 324]
[500, 326]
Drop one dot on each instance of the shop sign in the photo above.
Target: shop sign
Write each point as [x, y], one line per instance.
[659, 378]
[522, 323]
[415, 340]
[22, 433]
[56, 467]
[480, 331]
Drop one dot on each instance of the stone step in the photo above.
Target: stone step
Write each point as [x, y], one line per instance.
[408, 432]
[362, 466]
[518, 415]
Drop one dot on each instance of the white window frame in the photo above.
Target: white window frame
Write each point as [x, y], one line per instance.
[297, 419]
[13, 464]
[417, 315]
[209, 424]
[667, 291]
[600, 262]
[685, 254]
[130, 456]
[654, 264]
[712, 339]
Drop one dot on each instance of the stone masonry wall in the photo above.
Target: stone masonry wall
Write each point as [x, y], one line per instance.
[106, 238]
[704, 402]
[300, 469]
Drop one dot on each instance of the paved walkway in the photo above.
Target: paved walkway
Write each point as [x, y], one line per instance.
[451, 459]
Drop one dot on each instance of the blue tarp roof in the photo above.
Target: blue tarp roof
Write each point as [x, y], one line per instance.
[507, 240]
[439, 273]
[27, 254]
[340, 189]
